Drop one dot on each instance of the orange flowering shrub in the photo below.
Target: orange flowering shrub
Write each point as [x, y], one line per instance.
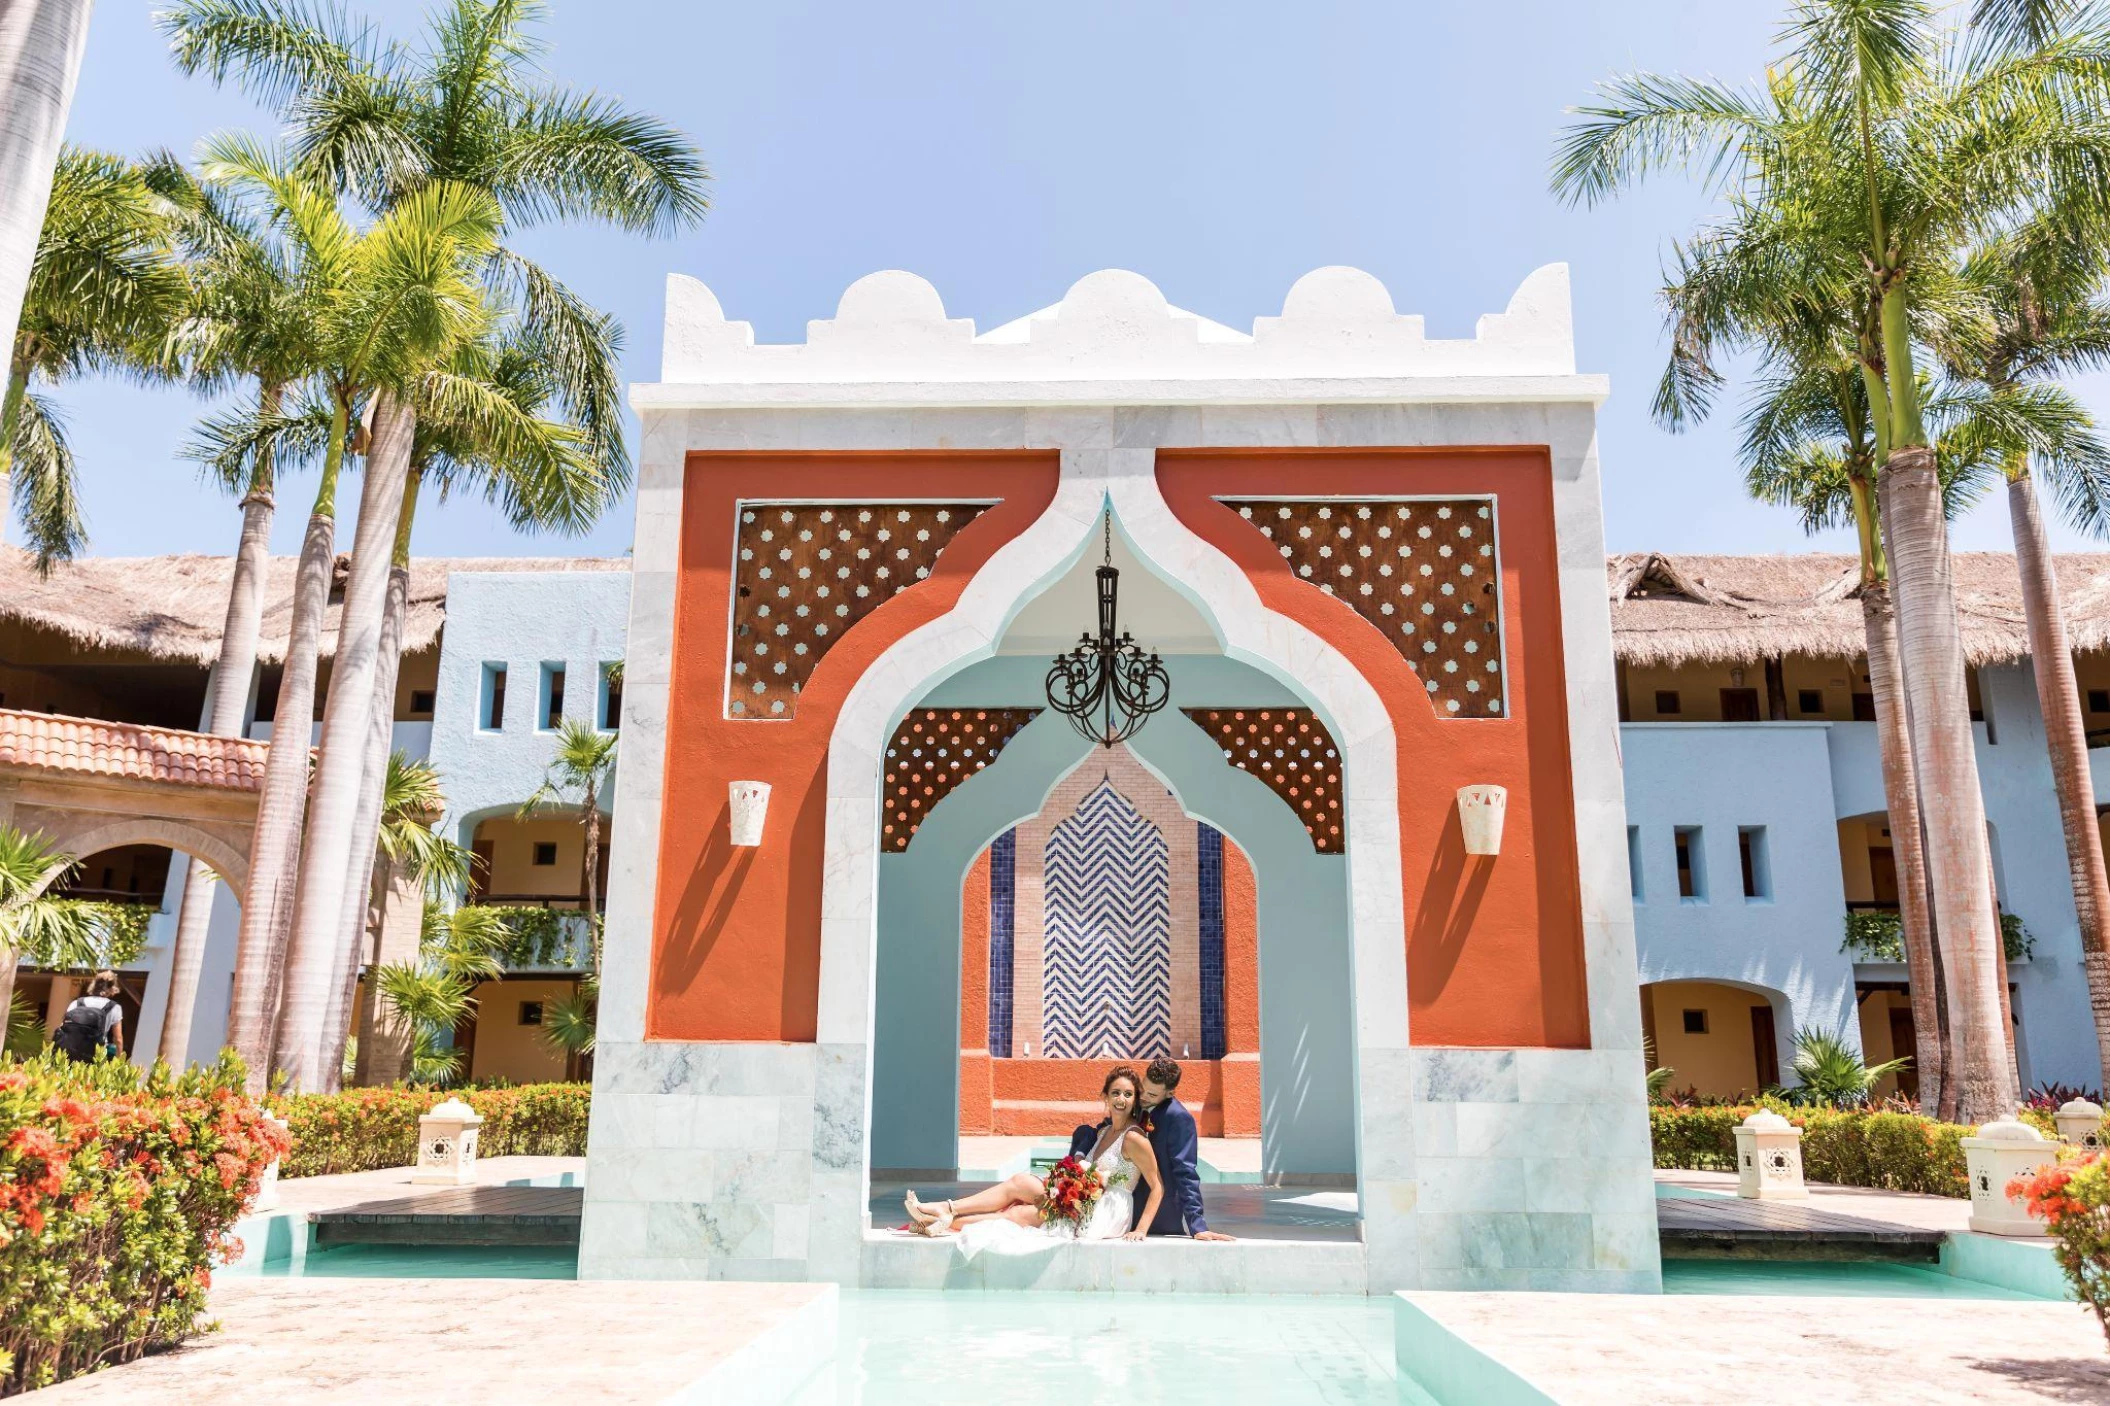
[117, 1192]
[360, 1130]
[2072, 1198]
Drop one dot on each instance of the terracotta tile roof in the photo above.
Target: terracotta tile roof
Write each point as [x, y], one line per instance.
[83, 746]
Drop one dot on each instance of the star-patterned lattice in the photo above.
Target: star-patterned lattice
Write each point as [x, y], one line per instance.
[807, 572]
[934, 750]
[1421, 570]
[1290, 750]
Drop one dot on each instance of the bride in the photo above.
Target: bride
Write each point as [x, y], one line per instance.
[1008, 1213]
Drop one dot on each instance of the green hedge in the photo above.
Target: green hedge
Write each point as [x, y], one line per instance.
[361, 1130]
[117, 1192]
[1843, 1146]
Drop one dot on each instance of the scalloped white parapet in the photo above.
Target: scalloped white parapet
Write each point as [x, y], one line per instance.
[1336, 323]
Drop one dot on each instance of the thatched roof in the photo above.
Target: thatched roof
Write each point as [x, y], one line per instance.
[172, 608]
[1669, 610]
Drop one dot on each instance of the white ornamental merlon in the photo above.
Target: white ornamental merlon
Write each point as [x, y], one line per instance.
[1113, 339]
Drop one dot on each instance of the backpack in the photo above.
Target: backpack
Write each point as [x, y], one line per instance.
[80, 1034]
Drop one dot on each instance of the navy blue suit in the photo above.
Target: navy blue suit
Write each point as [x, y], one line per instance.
[1174, 1141]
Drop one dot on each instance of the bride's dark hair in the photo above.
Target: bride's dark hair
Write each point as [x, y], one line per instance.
[1120, 1071]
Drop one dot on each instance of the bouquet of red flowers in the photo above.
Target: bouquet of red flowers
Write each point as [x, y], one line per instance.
[1074, 1186]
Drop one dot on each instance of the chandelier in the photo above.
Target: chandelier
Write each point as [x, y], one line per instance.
[1107, 687]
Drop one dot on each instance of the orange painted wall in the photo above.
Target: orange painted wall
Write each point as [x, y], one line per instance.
[1494, 945]
[736, 950]
[977, 1089]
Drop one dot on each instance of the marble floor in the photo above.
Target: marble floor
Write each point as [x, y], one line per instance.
[1698, 1350]
[483, 1340]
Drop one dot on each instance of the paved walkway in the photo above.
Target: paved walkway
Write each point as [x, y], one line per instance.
[1950, 1213]
[1617, 1350]
[503, 1341]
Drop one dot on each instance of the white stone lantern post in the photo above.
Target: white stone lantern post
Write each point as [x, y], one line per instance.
[447, 1145]
[2081, 1124]
[1998, 1153]
[1769, 1159]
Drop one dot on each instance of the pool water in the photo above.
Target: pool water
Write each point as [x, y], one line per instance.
[427, 1262]
[1819, 1279]
[898, 1348]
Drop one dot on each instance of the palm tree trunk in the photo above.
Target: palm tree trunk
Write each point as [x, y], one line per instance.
[1901, 798]
[359, 876]
[41, 42]
[1945, 757]
[318, 908]
[230, 701]
[267, 908]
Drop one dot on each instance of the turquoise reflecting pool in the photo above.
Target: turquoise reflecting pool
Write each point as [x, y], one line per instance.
[427, 1262]
[1824, 1280]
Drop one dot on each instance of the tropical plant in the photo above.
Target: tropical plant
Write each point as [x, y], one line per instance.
[1921, 145]
[102, 294]
[2072, 1198]
[40, 57]
[459, 948]
[34, 923]
[1829, 1070]
[580, 765]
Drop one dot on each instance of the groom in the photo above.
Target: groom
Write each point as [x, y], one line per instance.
[1172, 1138]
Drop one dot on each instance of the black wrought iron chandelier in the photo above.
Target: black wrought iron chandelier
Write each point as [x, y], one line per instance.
[1108, 687]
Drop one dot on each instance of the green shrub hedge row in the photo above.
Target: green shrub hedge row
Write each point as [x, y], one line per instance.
[360, 1130]
[1881, 1148]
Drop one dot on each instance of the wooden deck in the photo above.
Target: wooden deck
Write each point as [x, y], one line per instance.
[1729, 1228]
[467, 1215]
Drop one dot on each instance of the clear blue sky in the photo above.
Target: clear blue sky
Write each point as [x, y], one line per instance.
[1002, 151]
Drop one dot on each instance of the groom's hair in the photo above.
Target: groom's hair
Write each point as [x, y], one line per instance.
[1165, 1073]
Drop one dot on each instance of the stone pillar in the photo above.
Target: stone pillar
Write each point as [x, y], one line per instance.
[1769, 1159]
[2081, 1123]
[394, 918]
[2001, 1151]
[447, 1145]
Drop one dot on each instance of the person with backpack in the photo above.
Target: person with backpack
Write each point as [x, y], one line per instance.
[93, 1022]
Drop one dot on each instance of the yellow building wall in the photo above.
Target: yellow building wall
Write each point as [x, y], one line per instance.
[513, 870]
[420, 673]
[1721, 1062]
[1854, 839]
[1876, 1044]
[506, 1049]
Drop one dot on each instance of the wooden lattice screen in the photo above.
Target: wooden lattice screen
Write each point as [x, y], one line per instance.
[1422, 571]
[1291, 750]
[807, 573]
[934, 750]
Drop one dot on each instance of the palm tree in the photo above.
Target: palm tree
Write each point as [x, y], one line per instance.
[250, 320]
[480, 429]
[458, 949]
[1830, 1071]
[50, 931]
[1921, 147]
[101, 293]
[580, 765]
[41, 42]
[411, 859]
[2041, 287]
[387, 123]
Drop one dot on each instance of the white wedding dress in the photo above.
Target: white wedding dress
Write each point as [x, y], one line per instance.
[1110, 1219]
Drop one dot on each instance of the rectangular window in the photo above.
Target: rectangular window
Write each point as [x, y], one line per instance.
[1692, 864]
[545, 854]
[531, 1013]
[1667, 701]
[1695, 1022]
[494, 709]
[552, 697]
[1809, 700]
[421, 702]
[1633, 859]
[611, 697]
[1757, 865]
[2099, 700]
[1739, 705]
[1864, 707]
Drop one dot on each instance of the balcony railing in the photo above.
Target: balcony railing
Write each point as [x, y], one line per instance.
[1875, 932]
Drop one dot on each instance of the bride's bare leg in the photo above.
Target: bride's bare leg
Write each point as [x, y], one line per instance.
[1024, 1189]
[1026, 1214]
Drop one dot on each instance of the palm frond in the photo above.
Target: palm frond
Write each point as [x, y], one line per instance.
[582, 156]
[44, 483]
[1643, 123]
[273, 50]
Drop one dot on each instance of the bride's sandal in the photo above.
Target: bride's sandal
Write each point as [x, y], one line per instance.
[918, 1214]
[940, 1223]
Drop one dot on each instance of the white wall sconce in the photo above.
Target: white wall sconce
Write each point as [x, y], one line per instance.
[750, 804]
[1480, 812]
